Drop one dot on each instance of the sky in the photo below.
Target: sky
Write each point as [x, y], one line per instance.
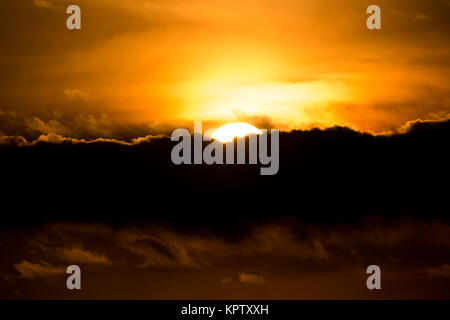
[87, 177]
[150, 65]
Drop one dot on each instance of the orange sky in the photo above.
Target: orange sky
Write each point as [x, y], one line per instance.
[139, 68]
[297, 63]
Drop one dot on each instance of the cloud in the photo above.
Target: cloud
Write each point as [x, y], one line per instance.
[49, 127]
[324, 174]
[248, 278]
[88, 128]
[419, 124]
[261, 122]
[226, 280]
[333, 175]
[81, 126]
[168, 249]
[181, 255]
[161, 249]
[59, 139]
[76, 94]
[16, 141]
[281, 239]
[76, 255]
[37, 270]
[422, 17]
[158, 246]
[42, 4]
[442, 271]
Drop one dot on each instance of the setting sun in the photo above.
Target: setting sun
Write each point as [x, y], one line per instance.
[229, 131]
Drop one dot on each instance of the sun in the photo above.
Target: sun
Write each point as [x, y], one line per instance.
[230, 131]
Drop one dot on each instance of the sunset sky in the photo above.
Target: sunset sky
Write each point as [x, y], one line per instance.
[85, 150]
[289, 64]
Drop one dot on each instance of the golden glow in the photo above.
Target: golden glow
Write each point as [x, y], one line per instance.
[229, 131]
[295, 63]
[282, 101]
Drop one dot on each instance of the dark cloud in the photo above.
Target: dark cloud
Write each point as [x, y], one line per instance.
[252, 279]
[79, 127]
[440, 271]
[332, 174]
[342, 200]
[269, 253]
[37, 270]
[81, 256]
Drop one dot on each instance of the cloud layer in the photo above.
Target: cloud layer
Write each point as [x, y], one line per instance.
[264, 257]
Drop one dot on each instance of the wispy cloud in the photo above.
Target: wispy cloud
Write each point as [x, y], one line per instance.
[76, 255]
[43, 4]
[41, 269]
[438, 272]
[75, 94]
[249, 278]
